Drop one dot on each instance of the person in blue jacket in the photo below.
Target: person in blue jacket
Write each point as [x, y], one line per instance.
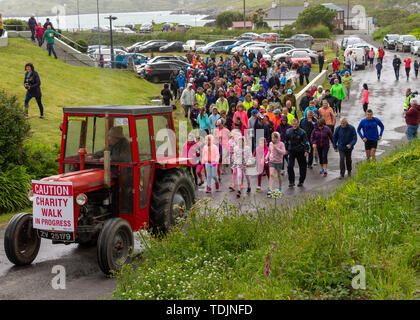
[182, 80]
[345, 138]
[370, 135]
[264, 83]
[306, 70]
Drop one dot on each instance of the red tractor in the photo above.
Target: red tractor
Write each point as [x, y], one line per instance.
[119, 172]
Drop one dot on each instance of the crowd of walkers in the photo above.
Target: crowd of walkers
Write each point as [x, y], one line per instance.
[248, 122]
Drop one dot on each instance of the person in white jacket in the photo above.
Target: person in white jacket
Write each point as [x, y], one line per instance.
[188, 99]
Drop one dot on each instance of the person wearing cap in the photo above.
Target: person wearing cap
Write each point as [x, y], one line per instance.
[304, 102]
[277, 118]
[264, 83]
[188, 99]
[119, 147]
[181, 81]
[290, 97]
[214, 117]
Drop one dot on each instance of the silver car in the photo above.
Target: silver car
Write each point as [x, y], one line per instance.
[415, 48]
[288, 54]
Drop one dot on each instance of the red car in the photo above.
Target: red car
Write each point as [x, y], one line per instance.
[300, 56]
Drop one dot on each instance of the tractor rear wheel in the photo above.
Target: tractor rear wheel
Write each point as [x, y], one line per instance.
[115, 245]
[173, 193]
[21, 241]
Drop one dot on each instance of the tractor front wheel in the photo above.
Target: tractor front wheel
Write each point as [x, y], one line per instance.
[21, 241]
[115, 245]
[173, 193]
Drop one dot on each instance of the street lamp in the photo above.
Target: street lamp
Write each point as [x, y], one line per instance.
[110, 18]
[279, 18]
[244, 16]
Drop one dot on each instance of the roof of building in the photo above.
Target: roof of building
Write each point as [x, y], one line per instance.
[119, 109]
[240, 24]
[333, 6]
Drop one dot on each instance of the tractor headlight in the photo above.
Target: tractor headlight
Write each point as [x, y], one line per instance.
[30, 195]
[81, 199]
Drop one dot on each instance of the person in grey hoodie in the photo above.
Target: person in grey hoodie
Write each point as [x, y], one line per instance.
[188, 99]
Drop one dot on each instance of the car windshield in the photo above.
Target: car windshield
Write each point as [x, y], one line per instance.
[417, 43]
[409, 38]
[89, 133]
[300, 54]
[394, 37]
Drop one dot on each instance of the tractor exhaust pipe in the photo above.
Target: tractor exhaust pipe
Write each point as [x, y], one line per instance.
[107, 155]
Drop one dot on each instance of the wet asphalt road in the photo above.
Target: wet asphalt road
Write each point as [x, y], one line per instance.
[84, 280]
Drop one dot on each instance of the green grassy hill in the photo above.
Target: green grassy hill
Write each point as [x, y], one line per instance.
[65, 85]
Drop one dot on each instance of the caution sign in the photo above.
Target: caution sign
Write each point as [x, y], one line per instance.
[53, 206]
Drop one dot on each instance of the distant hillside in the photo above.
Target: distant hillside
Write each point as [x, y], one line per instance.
[45, 7]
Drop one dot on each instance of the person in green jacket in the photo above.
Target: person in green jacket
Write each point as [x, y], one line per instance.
[337, 90]
[222, 103]
[50, 34]
[347, 81]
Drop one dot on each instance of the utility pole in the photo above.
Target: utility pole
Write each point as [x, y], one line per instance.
[348, 14]
[244, 16]
[78, 15]
[279, 18]
[99, 30]
[110, 18]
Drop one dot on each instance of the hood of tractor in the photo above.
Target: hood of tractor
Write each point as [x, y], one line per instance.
[83, 181]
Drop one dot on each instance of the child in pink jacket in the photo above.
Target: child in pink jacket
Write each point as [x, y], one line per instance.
[262, 165]
[276, 152]
[210, 159]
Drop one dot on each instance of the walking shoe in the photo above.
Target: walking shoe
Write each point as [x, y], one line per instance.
[41, 117]
[321, 171]
[208, 190]
[232, 188]
[349, 175]
[300, 184]
[248, 190]
[341, 177]
[258, 189]
[325, 173]
[238, 194]
[217, 186]
[282, 172]
[201, 183]
[291, 185]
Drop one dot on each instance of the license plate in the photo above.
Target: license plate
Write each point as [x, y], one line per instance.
[58, 236]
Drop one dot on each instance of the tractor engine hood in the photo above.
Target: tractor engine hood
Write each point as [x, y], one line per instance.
[83, 181]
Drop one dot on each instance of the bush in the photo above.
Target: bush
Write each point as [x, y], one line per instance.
[224, 19]
[15, 25]
[82, 45]
[14, 129]
[320, 31]
[14, 186]
[40, 161]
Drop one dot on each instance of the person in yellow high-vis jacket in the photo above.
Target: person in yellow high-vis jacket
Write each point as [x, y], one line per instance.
[201, 98]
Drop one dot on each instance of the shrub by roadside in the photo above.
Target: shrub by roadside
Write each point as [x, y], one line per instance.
[305, 252]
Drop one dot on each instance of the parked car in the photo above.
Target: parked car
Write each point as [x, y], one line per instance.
[152, 45]
[288, 54]
[240, 49]
[390, 41]
[123, 30]
[279, 50]
[176, 46]
[135, 46]
[193, 45]
[159, 72]
[92, 49]
[168, 58]
[247, 35]
[300, 56]
[216, 46]
[404, 43]
[107, 55]
[101, 29]
[236, 44]
[146, 28]
[267, 37]
[122, 59]
[270, 47]
[415, 48]
[350, 41]
[360, 57]
[183, 27]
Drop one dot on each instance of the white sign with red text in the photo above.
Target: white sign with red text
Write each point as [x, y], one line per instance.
[53, 206]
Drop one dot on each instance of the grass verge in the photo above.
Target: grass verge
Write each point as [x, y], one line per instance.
[304, 252]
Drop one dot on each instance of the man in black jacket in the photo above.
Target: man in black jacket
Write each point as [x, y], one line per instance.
[308, 125]
[32, 85]
[321, 61]
[304, 102]
[32, 25]
[333, 101]
[396, 63]
[297, 146]
[274, 81]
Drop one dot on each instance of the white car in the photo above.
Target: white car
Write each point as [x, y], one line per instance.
[123, 30]
[415, 48]
[107, 55]
[240, 49]
[193, 45]
[360, 57]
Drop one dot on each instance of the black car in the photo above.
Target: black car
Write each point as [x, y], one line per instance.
[176, 46]
[390, 41]
[152, 45]
[159, 72]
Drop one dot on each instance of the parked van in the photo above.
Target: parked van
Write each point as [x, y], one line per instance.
[360, 57]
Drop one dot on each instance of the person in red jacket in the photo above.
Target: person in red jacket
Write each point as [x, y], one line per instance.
[407, 62]
[39, 33]
[381, 54]
[412, 119]
[336, 65]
